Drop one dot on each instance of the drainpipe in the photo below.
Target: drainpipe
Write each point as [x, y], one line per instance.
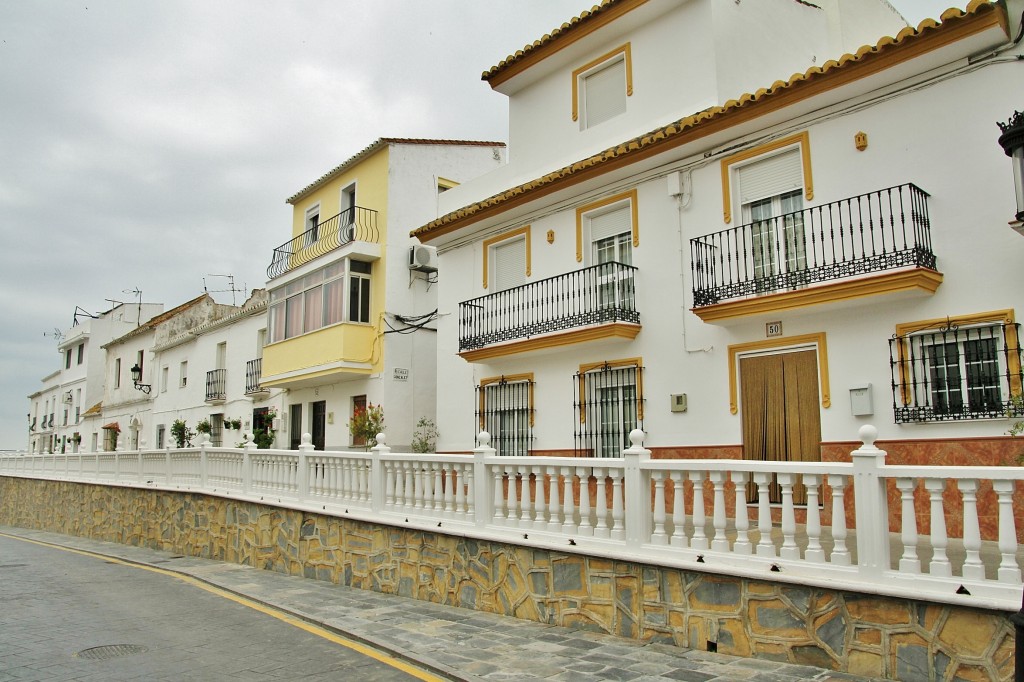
[680, 188]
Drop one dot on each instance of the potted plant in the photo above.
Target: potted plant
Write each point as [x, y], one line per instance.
[204, 427]
[424, 438]
[365, 424]
[181, 434]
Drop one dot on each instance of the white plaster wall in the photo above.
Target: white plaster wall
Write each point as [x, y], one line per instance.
[687, 56]
[941, 137]
[413, 172]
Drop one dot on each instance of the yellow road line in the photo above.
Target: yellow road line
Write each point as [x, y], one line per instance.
[256, 606]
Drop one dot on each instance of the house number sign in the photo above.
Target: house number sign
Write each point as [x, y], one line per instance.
[401, 374]
[773, 329]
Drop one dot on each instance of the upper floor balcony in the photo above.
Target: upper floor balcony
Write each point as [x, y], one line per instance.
[216, 385]
[356, 224]
[592, 303]
[253, 370]
[873, 243]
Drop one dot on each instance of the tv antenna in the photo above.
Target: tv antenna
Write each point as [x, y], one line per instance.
[231, 287]
[79, 310]
[137, 293]
[57, 335]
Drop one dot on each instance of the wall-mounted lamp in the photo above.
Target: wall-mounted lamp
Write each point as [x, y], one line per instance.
[137, 379]
[1012, 142]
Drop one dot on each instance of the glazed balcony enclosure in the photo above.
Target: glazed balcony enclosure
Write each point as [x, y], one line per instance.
[872, 243]
[595, 302]
[355, 224]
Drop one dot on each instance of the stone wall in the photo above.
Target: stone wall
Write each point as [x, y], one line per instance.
[862, 634]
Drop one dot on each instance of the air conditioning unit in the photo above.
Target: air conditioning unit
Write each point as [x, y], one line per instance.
[423, 258]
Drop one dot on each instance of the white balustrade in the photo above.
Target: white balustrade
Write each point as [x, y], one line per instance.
[750, 517]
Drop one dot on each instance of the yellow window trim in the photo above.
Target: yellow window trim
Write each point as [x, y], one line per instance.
[488, 243]
[507, 378]
[581, 212]
[803, 139]
[817, 340]
[627, 57]
[625, 362]
[446, 183]
[1006, 317]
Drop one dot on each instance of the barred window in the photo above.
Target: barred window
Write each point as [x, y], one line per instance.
[956, 372]
[609, 404]
[505, 411]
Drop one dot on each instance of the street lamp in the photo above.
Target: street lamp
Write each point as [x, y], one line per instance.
[137, 379]
[1012, 142]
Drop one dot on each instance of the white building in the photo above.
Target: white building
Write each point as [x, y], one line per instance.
[127, 396]
[210, 372]
[731, 225]
[353, 301]
[58, 413]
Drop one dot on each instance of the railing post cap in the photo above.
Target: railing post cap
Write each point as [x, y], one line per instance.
[204, 438]
[381, 439]
[307, 439]
[636, 438]
[868, 434]
[483, 439]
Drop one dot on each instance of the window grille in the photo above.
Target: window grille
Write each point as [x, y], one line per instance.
[609, 404]
[956, 373]
[505, 411]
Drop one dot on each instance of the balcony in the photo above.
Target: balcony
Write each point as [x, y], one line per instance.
[356, 224]
[216, 385]
[592, 303]
[253, 370]
[873, 243]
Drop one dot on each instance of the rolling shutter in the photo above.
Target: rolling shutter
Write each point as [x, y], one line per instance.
[770, 177]
[605, 93]
[509, 264]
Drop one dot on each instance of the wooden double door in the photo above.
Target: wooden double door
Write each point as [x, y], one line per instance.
[781, 413]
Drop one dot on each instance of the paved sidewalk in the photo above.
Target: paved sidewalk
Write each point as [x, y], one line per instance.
[456, 643]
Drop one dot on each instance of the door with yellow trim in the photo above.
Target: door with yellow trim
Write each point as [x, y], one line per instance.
[781, 418]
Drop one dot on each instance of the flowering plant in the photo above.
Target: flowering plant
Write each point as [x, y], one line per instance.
[366, 423]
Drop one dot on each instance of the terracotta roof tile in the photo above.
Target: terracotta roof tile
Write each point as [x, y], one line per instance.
[574, 25]
[689, 127]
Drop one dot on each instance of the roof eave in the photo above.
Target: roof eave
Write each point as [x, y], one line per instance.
[887, 53]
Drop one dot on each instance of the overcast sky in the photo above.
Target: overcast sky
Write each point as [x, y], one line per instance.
[149, 145]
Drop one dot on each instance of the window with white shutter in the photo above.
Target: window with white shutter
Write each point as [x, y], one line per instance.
[601, 86]
[509, 264]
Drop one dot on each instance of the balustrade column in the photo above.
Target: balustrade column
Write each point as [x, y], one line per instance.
[814, 550]
[377, 485]
[973, 567]
[909, 562]
[871, 506]
[302, 479]
[719, 542]
[483, 500]
[638, 498]
[658, 536]
[679, 538]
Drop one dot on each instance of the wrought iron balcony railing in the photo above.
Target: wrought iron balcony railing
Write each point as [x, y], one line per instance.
[216, 384]
[598, 294]
[883, 230]
[253, 370]
[351, 225]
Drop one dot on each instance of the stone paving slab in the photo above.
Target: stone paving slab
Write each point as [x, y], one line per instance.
[457, 643]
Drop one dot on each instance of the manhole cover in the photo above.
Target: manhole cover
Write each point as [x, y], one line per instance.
[102, 653]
